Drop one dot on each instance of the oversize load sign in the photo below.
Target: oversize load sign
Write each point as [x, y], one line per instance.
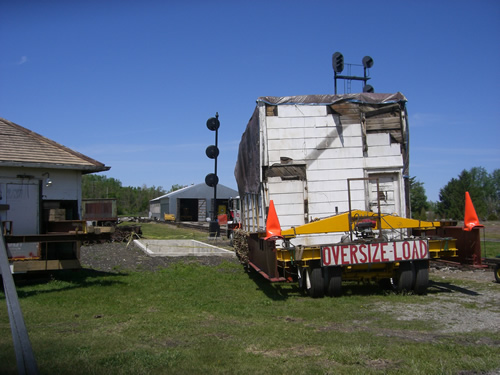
[382, 252]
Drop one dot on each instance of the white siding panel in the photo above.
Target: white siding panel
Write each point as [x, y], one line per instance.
[333, 142]
[333, 185]
[322, 164]
[334, 174]
[384, 162]
[378, 139]
[284, 210]
[316, 132]
[352, 130]
[286, 144]
[375, 151]
[321, 122]
[289, 133]
[300, 122]
[335, 196]
[298, 149]
[287, 198]
[322, 210]
[337, 154]
[290, 221]
[273, 122]
[301, 110]
[275, 156]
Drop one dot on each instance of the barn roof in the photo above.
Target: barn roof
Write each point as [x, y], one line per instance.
[196, 190]
[22, 147]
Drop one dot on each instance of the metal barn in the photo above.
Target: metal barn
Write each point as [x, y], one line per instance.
[191, 203]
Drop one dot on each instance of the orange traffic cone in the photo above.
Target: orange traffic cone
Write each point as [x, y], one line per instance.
[470, 219]
[273, 227]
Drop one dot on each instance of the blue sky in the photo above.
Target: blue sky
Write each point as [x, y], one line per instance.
[132, 83]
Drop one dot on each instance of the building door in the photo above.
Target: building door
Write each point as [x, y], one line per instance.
[202, 209]
[389, 193]
[188, 209]
[23, 201]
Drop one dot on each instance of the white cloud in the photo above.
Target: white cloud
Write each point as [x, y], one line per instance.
[23, 60]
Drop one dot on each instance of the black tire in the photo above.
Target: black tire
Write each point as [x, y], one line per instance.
[421, 276]
[334, 287]
[497, 273]
[404, 280]
[317, 289]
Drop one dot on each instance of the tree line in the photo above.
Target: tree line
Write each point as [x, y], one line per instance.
[133, 201]
[483, 187]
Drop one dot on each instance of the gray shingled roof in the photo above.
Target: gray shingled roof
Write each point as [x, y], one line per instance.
[22, 147]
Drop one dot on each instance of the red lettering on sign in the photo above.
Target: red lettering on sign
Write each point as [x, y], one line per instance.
[374, 257]
[344, 254]
[336, 254]
[423, 250]
[406, 250]
[383, 252]
[415, 251]
[327, 259]
[362, 249]
[354, 257]
[396, 256]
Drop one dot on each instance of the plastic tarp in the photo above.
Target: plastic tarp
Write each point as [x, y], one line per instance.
[247, 171]
[368, 98]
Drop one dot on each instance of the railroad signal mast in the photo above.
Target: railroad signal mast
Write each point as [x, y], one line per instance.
[212, 179]
[338, 67]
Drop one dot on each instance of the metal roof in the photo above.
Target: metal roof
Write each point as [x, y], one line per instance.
[198, 190]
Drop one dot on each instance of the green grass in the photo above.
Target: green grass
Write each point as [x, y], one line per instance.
[194, 319]
[161, 231]
[490, 249]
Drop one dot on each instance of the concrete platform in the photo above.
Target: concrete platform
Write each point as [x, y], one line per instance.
[180, 248]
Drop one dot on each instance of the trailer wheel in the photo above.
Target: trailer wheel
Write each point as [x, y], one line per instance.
[421, 276]
[317, 289]
[497, 273]
[404, 280]
[334, 288]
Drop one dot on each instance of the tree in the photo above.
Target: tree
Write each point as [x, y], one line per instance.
[130, 200]
[418, 200]
[481, 188]
[175, 187]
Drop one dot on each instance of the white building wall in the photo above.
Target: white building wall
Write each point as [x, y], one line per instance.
[66, 184]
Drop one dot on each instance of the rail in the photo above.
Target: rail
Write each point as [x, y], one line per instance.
[26, 363]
